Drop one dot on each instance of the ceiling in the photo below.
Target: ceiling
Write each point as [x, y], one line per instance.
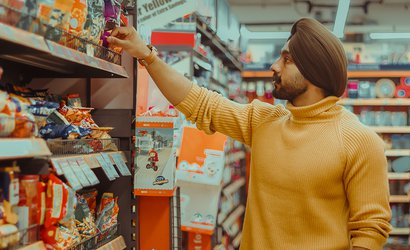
[364, 15]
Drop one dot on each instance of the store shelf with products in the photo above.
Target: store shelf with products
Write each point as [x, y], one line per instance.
[210, 38]
[375, 102]
[43, 58]
[44, 121]
[391, 129]
[397, 152]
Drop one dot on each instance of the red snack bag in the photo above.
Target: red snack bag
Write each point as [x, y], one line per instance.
[56, 201]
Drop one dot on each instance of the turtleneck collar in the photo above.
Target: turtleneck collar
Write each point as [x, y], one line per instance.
[324, 110]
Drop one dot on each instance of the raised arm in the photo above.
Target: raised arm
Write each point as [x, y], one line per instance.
[211, 112]
[174, 86]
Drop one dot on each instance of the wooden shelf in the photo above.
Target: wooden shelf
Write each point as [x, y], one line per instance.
[13, 148]
[400, 231]
[399, 176]
[392, 129]
[39, 245]
[39, 57]
[234, 186]
[397, 152]
[399, 198]
[377, 73]
[376, 102]
[116, 244]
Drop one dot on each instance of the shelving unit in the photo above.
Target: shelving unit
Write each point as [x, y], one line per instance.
[375, 102]
[397, 152]
[116, 244]
[12, 148]
[399, 198]
[400, 231]
[41, 58]
[39, 245]
[399, 176]
[391, 129]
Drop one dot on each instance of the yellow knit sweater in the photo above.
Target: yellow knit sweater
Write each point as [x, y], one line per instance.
[318, 177]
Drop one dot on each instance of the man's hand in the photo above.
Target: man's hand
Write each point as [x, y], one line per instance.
[129, 39]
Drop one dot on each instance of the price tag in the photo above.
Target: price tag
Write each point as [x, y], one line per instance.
[107, 158]
[69, 175]
[56, 167]
[87, 171]
[122, 167]
[106, 167]
[78, 172]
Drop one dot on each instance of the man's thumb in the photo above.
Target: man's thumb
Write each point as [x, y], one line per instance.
[113, 41]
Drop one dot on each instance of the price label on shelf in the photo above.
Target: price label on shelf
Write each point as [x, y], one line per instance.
[56, 166]
[69, 175]
[106, 167]
[79, 173]
[107, 158]
[120, 163]
[92, 178]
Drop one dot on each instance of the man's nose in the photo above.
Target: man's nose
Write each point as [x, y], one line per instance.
[275, 67]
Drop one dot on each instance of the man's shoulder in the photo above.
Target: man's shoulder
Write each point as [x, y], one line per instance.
[355, 133]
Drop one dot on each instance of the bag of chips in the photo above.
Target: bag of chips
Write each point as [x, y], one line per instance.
[107, 212]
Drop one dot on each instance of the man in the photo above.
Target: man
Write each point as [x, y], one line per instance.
[318, 177]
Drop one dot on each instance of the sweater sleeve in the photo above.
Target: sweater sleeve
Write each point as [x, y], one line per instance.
[367, 188]
[212, 112]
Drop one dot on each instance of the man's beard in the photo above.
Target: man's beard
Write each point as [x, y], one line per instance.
[290, 89]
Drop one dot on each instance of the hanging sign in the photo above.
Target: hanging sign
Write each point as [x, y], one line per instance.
[157, 13]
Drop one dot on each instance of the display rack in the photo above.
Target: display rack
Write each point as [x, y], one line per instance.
[43, 58]
[25, 55]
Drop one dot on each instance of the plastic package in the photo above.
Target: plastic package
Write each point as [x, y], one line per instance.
[107, 212]
[95, 20]
[28, 205]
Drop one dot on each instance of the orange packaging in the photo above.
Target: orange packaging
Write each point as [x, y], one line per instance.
[78, 17]
[56, 201]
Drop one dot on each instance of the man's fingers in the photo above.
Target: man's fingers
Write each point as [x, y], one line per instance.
[113, 41]
[120, 31]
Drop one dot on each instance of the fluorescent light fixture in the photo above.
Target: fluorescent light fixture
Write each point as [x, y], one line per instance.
[391, 35]
[268, 35]
[341, 17]
[260, 35]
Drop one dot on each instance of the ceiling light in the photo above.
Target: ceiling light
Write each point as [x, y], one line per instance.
[390, 35]
[341, 17]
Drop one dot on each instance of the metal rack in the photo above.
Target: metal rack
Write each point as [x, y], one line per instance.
[98, 240]
[82, 146]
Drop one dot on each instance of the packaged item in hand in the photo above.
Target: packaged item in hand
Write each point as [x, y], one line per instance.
[107, 212]
[112, 14]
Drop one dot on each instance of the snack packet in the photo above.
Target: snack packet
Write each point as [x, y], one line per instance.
[107, 212]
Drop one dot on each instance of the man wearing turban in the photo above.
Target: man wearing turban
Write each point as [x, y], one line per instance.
[318, 177]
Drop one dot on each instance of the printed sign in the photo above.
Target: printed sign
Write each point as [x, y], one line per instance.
[156, 156]
[202, 157]
[157, 13]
